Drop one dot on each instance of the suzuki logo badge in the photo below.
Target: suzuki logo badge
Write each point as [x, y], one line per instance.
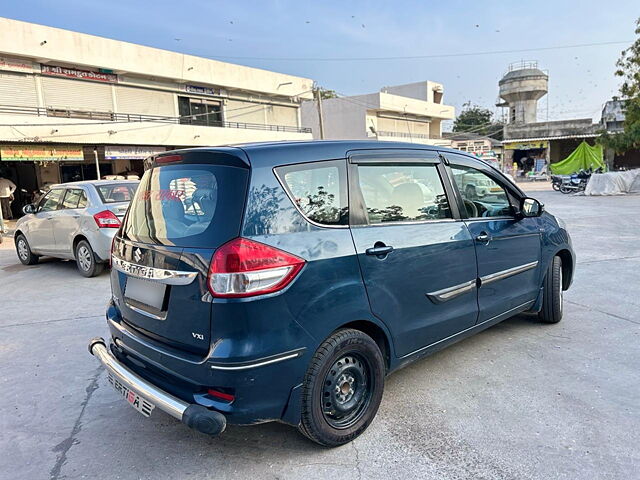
[137, 255]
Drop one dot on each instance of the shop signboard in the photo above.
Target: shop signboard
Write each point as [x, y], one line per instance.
[201, 90]
[40, 153]
[78, 74]
[526, 145]
[131, 153]
[16, 65]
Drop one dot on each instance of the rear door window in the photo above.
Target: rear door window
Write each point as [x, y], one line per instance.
[187, 205]
[403, 193]
[72, 198]
[318, 190]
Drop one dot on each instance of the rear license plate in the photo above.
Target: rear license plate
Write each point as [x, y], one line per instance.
[141, 404]
[145, 292]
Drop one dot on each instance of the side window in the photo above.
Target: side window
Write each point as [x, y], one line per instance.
[51, 201]
[82, 201]
[482, 196]
[72, 198]
[403, 193]
[319, 190]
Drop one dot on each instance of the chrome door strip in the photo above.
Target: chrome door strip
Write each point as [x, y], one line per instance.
[501, 275]
[451, 292]
[170, 277]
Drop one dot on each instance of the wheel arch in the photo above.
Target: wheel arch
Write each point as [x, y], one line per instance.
[77, 239]
[377, 333]
[567, 267]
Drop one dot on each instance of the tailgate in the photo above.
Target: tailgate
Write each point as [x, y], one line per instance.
[178, 216]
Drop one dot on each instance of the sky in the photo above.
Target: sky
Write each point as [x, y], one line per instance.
[297, 37]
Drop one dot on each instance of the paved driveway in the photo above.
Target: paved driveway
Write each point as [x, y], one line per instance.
[520, 400]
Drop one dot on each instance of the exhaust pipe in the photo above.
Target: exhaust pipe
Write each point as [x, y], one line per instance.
[195, 416]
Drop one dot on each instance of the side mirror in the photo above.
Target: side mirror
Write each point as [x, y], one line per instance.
[31, 208]
[530, 207]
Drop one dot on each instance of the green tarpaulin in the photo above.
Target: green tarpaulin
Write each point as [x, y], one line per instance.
[582, 158]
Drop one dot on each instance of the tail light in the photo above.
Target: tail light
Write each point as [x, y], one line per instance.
[106, 219]
[244, 268]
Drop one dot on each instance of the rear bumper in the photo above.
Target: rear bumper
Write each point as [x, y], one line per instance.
[195, 416]
[266, 388]
[100, 241]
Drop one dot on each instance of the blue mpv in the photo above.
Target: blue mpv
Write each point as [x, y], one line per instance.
[284, 281]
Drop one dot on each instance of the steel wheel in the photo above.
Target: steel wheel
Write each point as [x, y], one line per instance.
[347, 391]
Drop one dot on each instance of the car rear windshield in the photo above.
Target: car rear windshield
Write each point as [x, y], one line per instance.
[187, 205]
[116, 192]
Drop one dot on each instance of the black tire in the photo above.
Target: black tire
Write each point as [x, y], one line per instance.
[25, 255]
[342, 388]
[552, 297]
[555, 186]
[86, 261]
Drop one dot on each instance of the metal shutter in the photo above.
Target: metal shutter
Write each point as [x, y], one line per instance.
[143, 101]
[18, 90]
[77, 95]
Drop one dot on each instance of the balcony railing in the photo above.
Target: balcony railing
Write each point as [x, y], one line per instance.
[206, 121]
[385, 133]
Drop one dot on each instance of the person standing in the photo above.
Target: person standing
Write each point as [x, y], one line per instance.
[7, 187]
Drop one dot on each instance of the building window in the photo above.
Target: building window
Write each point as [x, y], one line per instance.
[197, 111]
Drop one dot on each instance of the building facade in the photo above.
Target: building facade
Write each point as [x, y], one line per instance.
[612, 121]
[530, 145]
[486, 148]
[409, 113]
[67, 98]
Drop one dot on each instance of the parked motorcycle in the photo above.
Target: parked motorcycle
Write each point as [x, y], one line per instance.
[576, 182]
[556, 181]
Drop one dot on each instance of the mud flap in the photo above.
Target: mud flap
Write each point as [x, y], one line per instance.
[293, 411]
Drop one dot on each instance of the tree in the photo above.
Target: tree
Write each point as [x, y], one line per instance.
[325, 93]
[628, 68]
[475, 119]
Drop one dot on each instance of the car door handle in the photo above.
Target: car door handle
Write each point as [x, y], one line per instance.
[483, 237]
[379, 250]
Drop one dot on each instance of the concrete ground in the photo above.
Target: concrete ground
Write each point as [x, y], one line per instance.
[520, 400]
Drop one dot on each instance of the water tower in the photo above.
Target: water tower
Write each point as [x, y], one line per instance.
[520, 89]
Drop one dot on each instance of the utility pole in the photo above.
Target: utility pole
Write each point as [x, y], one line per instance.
[317, 91]
[95, 153]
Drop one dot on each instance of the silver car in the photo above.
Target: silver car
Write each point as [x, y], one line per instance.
[75, 221]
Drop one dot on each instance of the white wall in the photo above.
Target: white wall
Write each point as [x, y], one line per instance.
[66, 47]
[343, 120]
[140, 133]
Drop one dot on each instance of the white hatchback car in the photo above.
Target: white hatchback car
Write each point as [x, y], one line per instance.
[75, 221]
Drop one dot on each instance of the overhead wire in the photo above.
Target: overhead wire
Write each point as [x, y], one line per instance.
[422, 57]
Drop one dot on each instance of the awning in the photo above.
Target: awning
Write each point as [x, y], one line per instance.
[559, 137]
